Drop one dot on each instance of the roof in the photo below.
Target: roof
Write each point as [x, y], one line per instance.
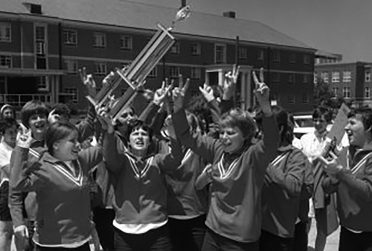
[145, 16]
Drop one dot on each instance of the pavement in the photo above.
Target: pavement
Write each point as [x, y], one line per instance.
[332, 240]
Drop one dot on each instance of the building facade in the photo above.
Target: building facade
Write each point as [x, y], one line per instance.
[44, 44]
[351, 81]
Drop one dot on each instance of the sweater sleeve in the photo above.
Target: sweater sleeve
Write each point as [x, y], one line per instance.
[111, 155]
[20, 180]
[291, 177]
[171, 160]
[361, 186]
[86, 127]
[201, 145]
[149, 113]
[265, 150]
[92, 156]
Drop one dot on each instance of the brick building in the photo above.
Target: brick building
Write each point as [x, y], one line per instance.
[352, 81]
[43, 43]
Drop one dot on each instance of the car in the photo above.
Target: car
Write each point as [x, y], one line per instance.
[303, 124]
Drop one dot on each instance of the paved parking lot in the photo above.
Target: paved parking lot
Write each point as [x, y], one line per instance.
[332, 240]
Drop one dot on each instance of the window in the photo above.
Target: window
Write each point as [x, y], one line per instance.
[260, 55]
[174, 71]
[73, 94]
[243, 53]
[292, 58]
[367, 76]
[315, 78]
[175, 49]
[305, 98]
[153, 73]
[70, 37]
[220, 53]
[291, 99]
[291, 78]
[324, 76]
[126, 42]
[195, 73]
[346, 92]
[42, 83]
[305, 79]
[276, 77]
[99, 40]
[5, 61]
[335, 77]
[41, 46]
[335, 91]
[5, 32]
[195, 49]
[100, 68]
[346, 76]
[276, 56]
[306, 59]
[71, 66]
[367, 92]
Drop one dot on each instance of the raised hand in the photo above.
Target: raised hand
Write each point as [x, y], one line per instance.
[229, 83]
[262, 92]
[179, 94]
[24, 137]
[207, 92]
[162, 93]
[88, 81]
[104, 118]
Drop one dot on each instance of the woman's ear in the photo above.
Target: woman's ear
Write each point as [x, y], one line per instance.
[55, 145]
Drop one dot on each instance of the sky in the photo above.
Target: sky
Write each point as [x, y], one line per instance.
[335, 26]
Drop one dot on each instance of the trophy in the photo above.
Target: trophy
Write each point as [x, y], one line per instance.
[135, 74]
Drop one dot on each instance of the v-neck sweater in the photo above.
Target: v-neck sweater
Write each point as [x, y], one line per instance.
[63, 215]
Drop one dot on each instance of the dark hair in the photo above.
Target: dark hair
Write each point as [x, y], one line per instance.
[137, 124]
[284, 123]
[7, 123]
[62, 109]
[57, 131]
[31, 108]
[241, 119]
[322, 111]
[366, 114]
[193, 121]
[7, 106]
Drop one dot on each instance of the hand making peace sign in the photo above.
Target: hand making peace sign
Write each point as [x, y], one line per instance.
[179, 94]
[262, 92]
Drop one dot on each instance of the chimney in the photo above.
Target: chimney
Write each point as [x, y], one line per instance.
[230, 14]
[33, 7]
[183, 3]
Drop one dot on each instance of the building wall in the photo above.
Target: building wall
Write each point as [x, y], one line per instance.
[293, 93]
[357, 83]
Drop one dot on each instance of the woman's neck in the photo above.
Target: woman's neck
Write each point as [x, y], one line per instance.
[139, 154]
[38, 136]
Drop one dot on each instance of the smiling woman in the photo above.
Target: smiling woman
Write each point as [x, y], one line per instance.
[60, 180]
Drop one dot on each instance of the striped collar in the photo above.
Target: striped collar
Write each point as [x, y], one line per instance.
[139, 173]
[65, 170]
[225, 173]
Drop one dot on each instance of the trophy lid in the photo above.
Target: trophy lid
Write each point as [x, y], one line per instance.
[182, 14]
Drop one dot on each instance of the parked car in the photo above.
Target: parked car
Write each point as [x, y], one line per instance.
[303, 124]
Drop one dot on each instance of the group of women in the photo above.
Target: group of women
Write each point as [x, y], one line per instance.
[175, 187]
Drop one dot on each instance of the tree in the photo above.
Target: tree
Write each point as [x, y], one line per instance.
[322, 92]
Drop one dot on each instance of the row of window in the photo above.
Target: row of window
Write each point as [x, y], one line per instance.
[305, 99]
[292, 78]
[100, 68]
[346, 77]
[346, 92]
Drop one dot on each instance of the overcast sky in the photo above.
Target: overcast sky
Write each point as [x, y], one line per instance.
[336, 26]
